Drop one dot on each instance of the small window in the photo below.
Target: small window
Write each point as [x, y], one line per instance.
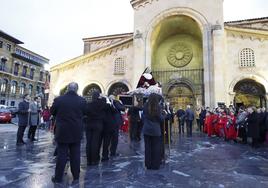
[24, 71]
[8, 47]
[16, 69]
[41, 76]
[32, 74]
[119, 66]
[12, 103]
[247, 58]
[1, 44]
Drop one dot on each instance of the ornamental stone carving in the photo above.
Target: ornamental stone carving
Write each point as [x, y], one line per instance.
[180, 55]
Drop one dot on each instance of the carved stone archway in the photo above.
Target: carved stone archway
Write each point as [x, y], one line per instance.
[117, 89]
[88, 91]
[248, 92]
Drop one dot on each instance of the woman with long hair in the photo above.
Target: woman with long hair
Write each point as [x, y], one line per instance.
[152, 118]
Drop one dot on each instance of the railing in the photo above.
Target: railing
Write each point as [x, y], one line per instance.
[195, 77]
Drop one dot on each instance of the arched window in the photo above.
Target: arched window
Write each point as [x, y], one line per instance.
[247, 58]
[88, 91]
[3, 88]
[119, 66]
[117, 89]
[13, 88]
[22, 88]
[30, 89]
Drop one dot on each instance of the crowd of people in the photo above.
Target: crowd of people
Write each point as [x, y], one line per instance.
[231, 125]
[101, 120]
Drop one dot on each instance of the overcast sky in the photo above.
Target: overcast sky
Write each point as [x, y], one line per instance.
[55, 28]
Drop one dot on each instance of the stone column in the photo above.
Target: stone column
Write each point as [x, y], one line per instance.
[208, 66]
[139, 63]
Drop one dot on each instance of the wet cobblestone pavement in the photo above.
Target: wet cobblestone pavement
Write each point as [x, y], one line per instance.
[193, 162]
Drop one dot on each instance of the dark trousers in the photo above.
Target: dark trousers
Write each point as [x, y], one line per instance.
[243, 134]
[20, 134]
[139, 129]
[201, 122]
[133, 130]
[62, 154]
[162, 143]
[189, 126]
[114, 141]
[198, 124]
[93, 146]
[110, 142]
[181, 126]
[152, 151]
[31, 132]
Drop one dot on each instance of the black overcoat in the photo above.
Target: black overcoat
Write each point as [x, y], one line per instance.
[96, 111]
[69, 110]
[253, 125]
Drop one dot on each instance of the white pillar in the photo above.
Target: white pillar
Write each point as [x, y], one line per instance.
[208, 66]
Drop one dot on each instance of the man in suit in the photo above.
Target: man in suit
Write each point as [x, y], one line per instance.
[189, 117]
[23, 116]
[68, 110]
[34, 109]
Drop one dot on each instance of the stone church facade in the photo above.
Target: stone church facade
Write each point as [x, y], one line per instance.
[197, 57]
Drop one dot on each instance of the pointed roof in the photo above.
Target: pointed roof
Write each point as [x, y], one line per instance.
[254, 24]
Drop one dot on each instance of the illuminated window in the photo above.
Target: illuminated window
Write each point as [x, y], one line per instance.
[247, 58]
[13, 87]
[30, 89]
[22, 88]
[119, 66]
[3, 87]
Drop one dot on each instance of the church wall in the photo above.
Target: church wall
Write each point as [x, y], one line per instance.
[233, 73]
[98, 70]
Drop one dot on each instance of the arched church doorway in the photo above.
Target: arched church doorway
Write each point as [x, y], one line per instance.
[177, 54]
[249, 93]
[63, 90]
[117, 89]
[180, 95]
[88, 91]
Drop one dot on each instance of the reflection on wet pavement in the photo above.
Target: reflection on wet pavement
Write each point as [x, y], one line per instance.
[193, 162]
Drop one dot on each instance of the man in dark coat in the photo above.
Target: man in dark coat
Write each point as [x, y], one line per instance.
[181, 119]
[262, 118]
[189, 117]
[134, 117]
[253, 126]
[96, 110]
[68, 110]
[119, 107]
[23, 116]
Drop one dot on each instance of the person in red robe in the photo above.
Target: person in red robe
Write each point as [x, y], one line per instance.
[231, 132]
[209, 121]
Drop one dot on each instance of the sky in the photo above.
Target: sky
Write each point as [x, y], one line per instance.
[55, 28]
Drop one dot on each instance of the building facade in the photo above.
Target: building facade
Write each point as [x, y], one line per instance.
[198, 58]
[21, 71]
